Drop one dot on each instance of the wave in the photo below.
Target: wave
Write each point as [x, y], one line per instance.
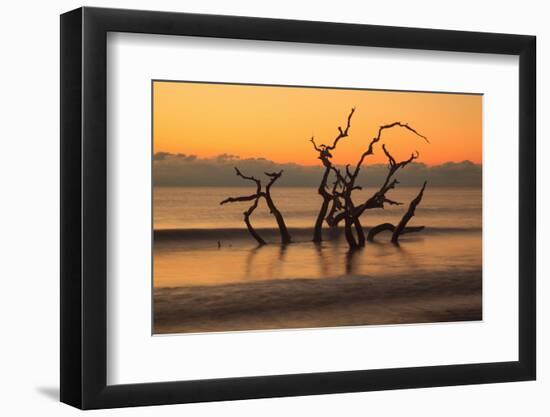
[236, 233]
[454, 295]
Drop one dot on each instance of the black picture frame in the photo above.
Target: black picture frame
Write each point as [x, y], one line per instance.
[84, 207]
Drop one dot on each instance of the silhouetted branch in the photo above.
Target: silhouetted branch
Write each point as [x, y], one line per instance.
[254, 197]
[390, 228]
[325, 156]
[403, 125]
[273, 177]
[251, 178]
[336, 205]
[238, 199]
[370, 149]
[251, 229]
[283, 230]
[378, 199]
[401, 228]
[343, 207]
[342, 133]
[312, 140]
[408, 215]
[350, 214]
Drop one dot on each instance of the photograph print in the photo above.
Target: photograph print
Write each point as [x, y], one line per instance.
[294, 207]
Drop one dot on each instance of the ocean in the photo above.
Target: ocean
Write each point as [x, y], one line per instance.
[199, 208]
[199, 242]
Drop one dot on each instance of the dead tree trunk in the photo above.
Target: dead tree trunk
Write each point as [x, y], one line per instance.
[325, 157]
[379, 229]
[251, 229]
[390, 228]
[335, 206]
[379, 198]
[401, 228]
[348, 208]
[348, 233]
[359, 231]
[351, 214]
[285, 235]
[408, 215]
[253, 197]
[317, 231]
[274, 176]
[351, 222]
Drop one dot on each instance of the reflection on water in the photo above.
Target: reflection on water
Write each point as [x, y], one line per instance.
[189, 255]
[240, 261]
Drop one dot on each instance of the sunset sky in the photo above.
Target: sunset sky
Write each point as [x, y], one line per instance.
[207, 120]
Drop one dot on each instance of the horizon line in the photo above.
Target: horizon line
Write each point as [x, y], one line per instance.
[219, 157]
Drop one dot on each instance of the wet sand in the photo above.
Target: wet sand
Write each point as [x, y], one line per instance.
[326, 302]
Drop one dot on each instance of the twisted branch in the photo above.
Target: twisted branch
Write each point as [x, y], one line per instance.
[378, 199]
[325, 156]
[408, 215]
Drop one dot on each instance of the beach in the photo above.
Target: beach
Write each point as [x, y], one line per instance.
[212, 279]
[308, 303]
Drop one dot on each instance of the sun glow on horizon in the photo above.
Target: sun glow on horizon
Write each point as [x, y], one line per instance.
[276, 123]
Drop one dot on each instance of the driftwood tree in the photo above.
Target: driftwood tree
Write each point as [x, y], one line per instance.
[345, 209]
[255, 197]
[335, 205]
[252, 197]
[325, 156]
[274, 176]
[401, 228]
[378, 199]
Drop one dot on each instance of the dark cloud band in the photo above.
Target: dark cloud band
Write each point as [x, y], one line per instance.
[189, 170]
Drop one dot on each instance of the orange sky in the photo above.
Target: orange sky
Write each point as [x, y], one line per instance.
[276, 122]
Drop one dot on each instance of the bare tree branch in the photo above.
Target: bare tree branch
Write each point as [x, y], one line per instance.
[253, 197]
[342, 133]
[370, 149]
[378, 199]
[325, 156]
[403, 125]
[274, 176]
[251, 178]
[312, 140]
[350, 214]
[283, 230]
[251, 229]
[238, 199]
[401, 228]
[408, 215]
[390, 228]
[335, 203]
[343, 207]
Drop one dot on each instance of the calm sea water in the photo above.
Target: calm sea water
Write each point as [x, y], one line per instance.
[191, 256]
[198, 207]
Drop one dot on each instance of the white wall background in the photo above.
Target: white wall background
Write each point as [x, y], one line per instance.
[29, 226]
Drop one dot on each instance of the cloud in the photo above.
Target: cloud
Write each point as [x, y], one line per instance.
[227, 157]
[162, 156]
[189, 170]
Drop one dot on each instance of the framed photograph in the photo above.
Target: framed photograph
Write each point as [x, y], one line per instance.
[257, 208]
